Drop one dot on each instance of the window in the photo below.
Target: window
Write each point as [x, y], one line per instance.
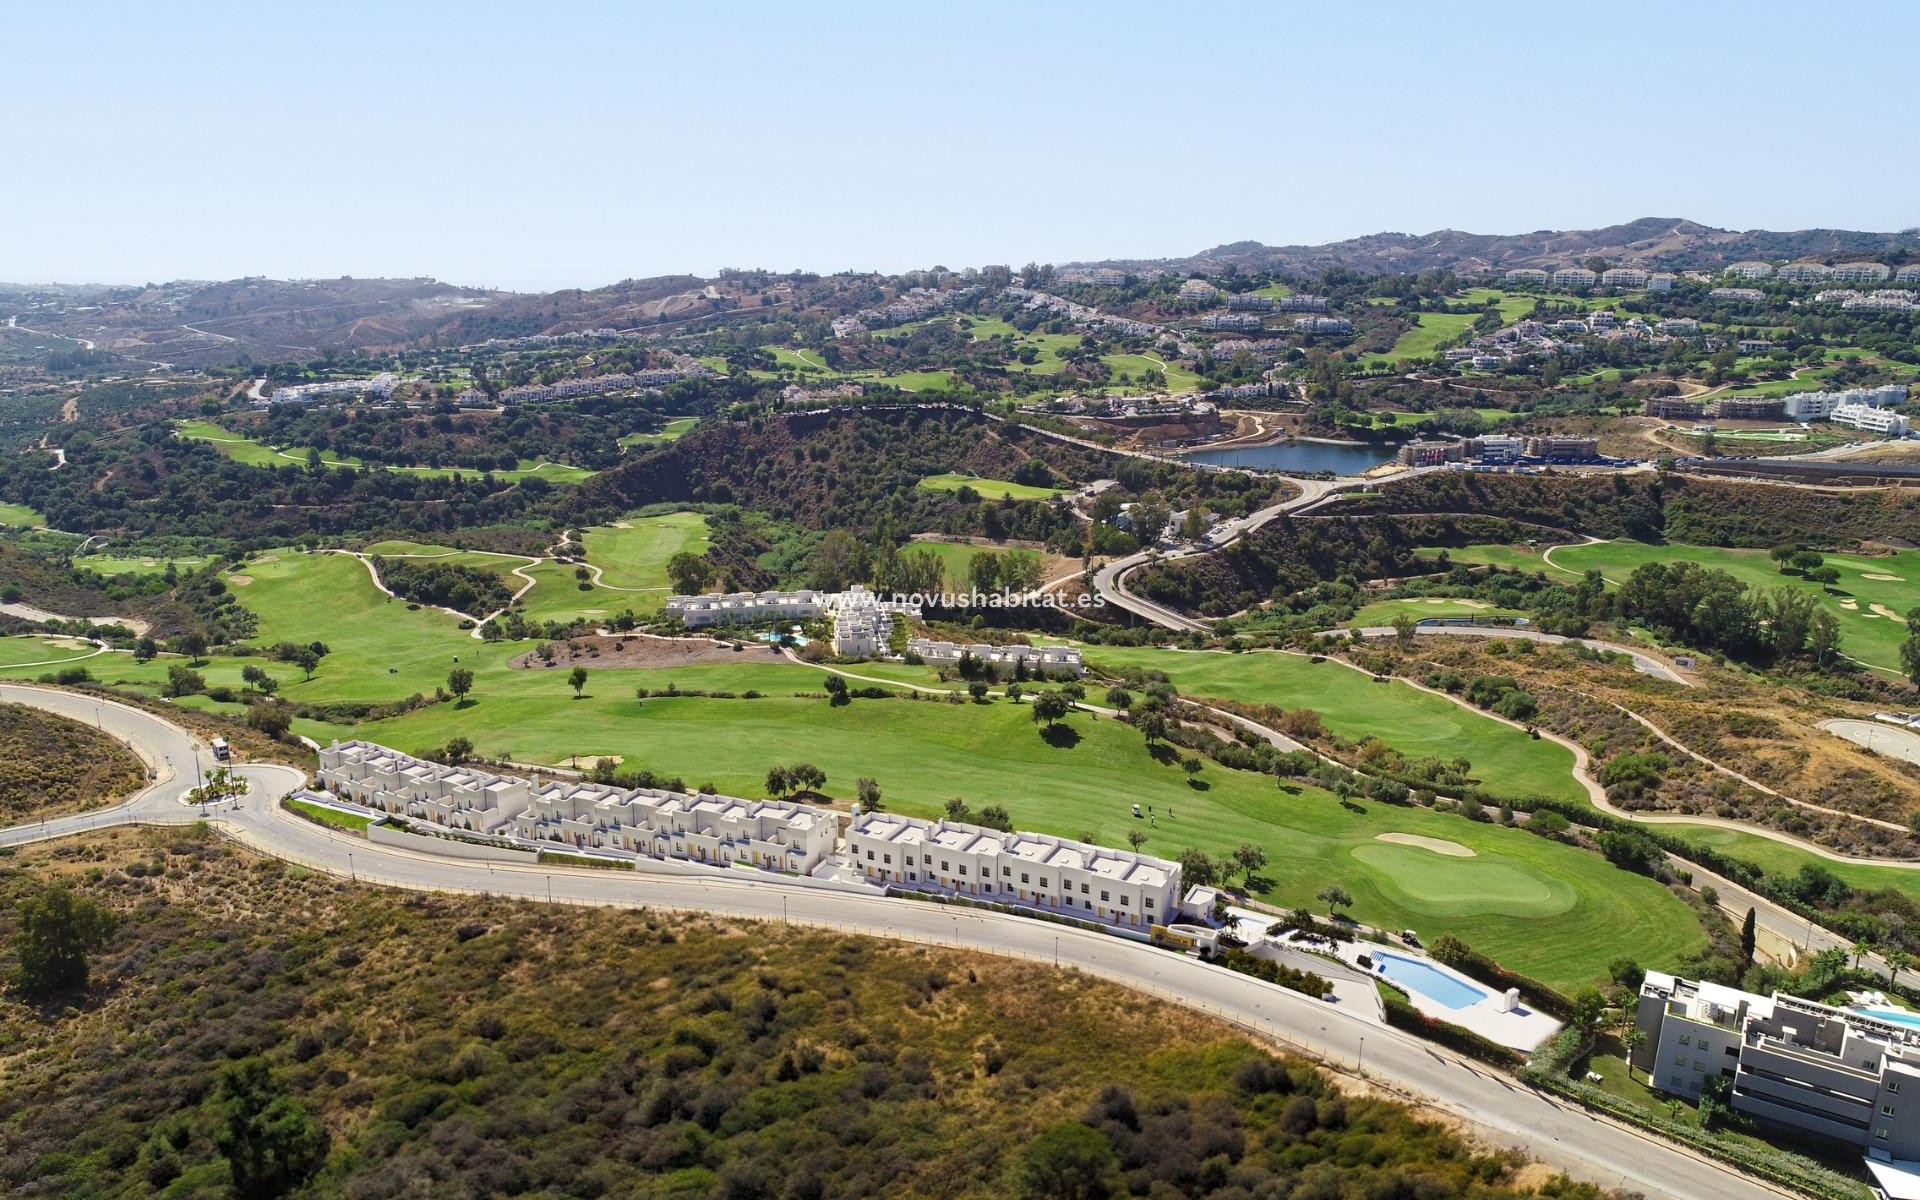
[963, 868]
[1103, 896]
[1149, 903]
[1009, 871]
[1686, 1039]
[887, 858]
[1698, 1065]
[1043, 881]
[1123, 902]
[1893, 1085]
[1083, 891]
[869, 856]
[1679, 1060]
[1733, 1051]
[909, 860]
[945, 866]
[1881, 1134]
[1705, 1048]
[1023, 878]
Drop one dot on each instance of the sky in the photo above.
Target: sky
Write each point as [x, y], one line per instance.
[559, 144]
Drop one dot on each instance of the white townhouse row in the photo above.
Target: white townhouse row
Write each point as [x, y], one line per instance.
[1322, 325]
[1197, 289]
[1039, 660]
[380, 386]
[1737, 293]
[1751, 269]
[776, 835]
[1574, 277]
[1841, 1074]
[746, 608]
[1529, 275]
[1623, 277]
[392, 782]
[861, 632]
[1302, 302]
[1231, 322]
[1820, 406]
[1871, 420]
[1049, 873]
[1249, 302]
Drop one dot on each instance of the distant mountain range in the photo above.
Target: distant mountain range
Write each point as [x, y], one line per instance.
[1671, 242]
[197, 323]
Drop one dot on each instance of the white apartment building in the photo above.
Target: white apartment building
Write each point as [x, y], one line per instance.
[1602, 319]
[1322, 325]
[1036, 870]
[775, 835]
[1198, 290]
[1908, 274]
[456, 797]
[1623, 277]
[1302, 302]
[1109, 277]
[1680, 327]
[1574, 277]
[1527, 275]
[1803, 272]
[1872, 420]
[1249, 302]
[1044, 661]
[1750, 270]
[1890, 300]
[1820, 406]
[380, 387]
[1860, 272]
[1660, 281]
[861, 632]
[1231, 322]
[1809, 1067]
[1737, 293]
[745, 608]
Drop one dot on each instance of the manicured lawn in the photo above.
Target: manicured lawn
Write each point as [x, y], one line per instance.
[124, 564]
[17, 650]
[1382, 612]
[20, 514]
[1778, 858]
[1352, 705]
[1871, 636]
[329, 816]
[254, 453]
[671, 431]
[1522, 558]
[633, 552]
[913, 381]
[991, 489]
[1179, 379]
[1409, 420]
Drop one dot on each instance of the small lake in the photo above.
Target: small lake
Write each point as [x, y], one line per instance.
[1299, 456]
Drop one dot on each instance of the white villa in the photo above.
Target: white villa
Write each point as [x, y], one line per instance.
[858, 612]
[380, 387]
[1052, 874]
[647, 822]
[1044, 661]
[456, 797]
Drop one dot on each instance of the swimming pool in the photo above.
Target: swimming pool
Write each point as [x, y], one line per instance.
[1430, 981]
[1891, 1016]
[791, 638]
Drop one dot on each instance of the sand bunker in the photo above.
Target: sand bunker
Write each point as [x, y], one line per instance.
[1885, 578]
[623, 524]
[1454, 600]
[1888, 613]
[1437, 845]
[239, 580]
[1850, 605]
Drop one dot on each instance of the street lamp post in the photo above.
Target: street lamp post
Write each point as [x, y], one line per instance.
[1056, 952]
[350, 871]
[1360, 1060]
[549, 889]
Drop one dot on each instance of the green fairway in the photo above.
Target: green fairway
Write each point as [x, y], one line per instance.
[130, 564]
[1779, 858]
[991, 489]
[257, 454]
[1870, 599]
[1540, 906]
[1519, 558]
[20, 514]
[1352, 705]
[1434, 329]
[633, 551]
[17, 650]
[672, 431]
[1179, 379]
[1382, 612]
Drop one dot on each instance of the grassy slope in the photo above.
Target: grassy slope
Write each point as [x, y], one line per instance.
[991, 489]
[1353, 706]
[255, 453]
[1873, 638]
[49, 764]
[20, 514]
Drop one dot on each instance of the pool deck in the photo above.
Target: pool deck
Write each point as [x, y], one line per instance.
[1522, 1029]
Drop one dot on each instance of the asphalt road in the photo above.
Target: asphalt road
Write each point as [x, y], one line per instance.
[1502, 1109]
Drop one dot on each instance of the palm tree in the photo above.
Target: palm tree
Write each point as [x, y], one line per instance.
[1897, 960]
[1861, 949]
[1632, 1039]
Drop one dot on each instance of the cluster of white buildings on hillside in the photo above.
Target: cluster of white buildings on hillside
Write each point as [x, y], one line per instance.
[1853, 300]
[594, 385]
[379, 387]
[1083, 315]
[1318, 325]
[1095, 883]
[1856, 408]
[1090, 882]
[1039, 661]
[862, 621]
[1813, 1068]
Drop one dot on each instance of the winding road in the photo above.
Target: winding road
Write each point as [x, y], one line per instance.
[1499, 1107]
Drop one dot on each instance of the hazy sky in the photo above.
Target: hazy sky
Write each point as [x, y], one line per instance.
[558, 144]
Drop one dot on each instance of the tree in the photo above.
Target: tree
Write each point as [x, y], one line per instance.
[978, 690]
[868, 793]
[272, 1144]
[779, 781]
[1404, 627]
[837, 691]
[456, 751]
[1136, 838]
[1119, 697]
[1748, 936]
[1823, 636]
[145, 649]
[577, 680]
[460, 682]
[807, 777]
[691, 574]
[1633, 1039]
[1910, 649]
[193, 645]
[1196, 869]
[57, 931]
[1150, 514]
[1861, 949]
[254, 677]
[1897, 960]
[183, 680]
[1049, 708]
[1249, 858]
[1014, 690]
[1069, 1161]
[271, 717]
[1334, 897]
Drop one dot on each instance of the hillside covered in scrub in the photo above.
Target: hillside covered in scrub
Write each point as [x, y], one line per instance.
[49, 764]
[394, 1044]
